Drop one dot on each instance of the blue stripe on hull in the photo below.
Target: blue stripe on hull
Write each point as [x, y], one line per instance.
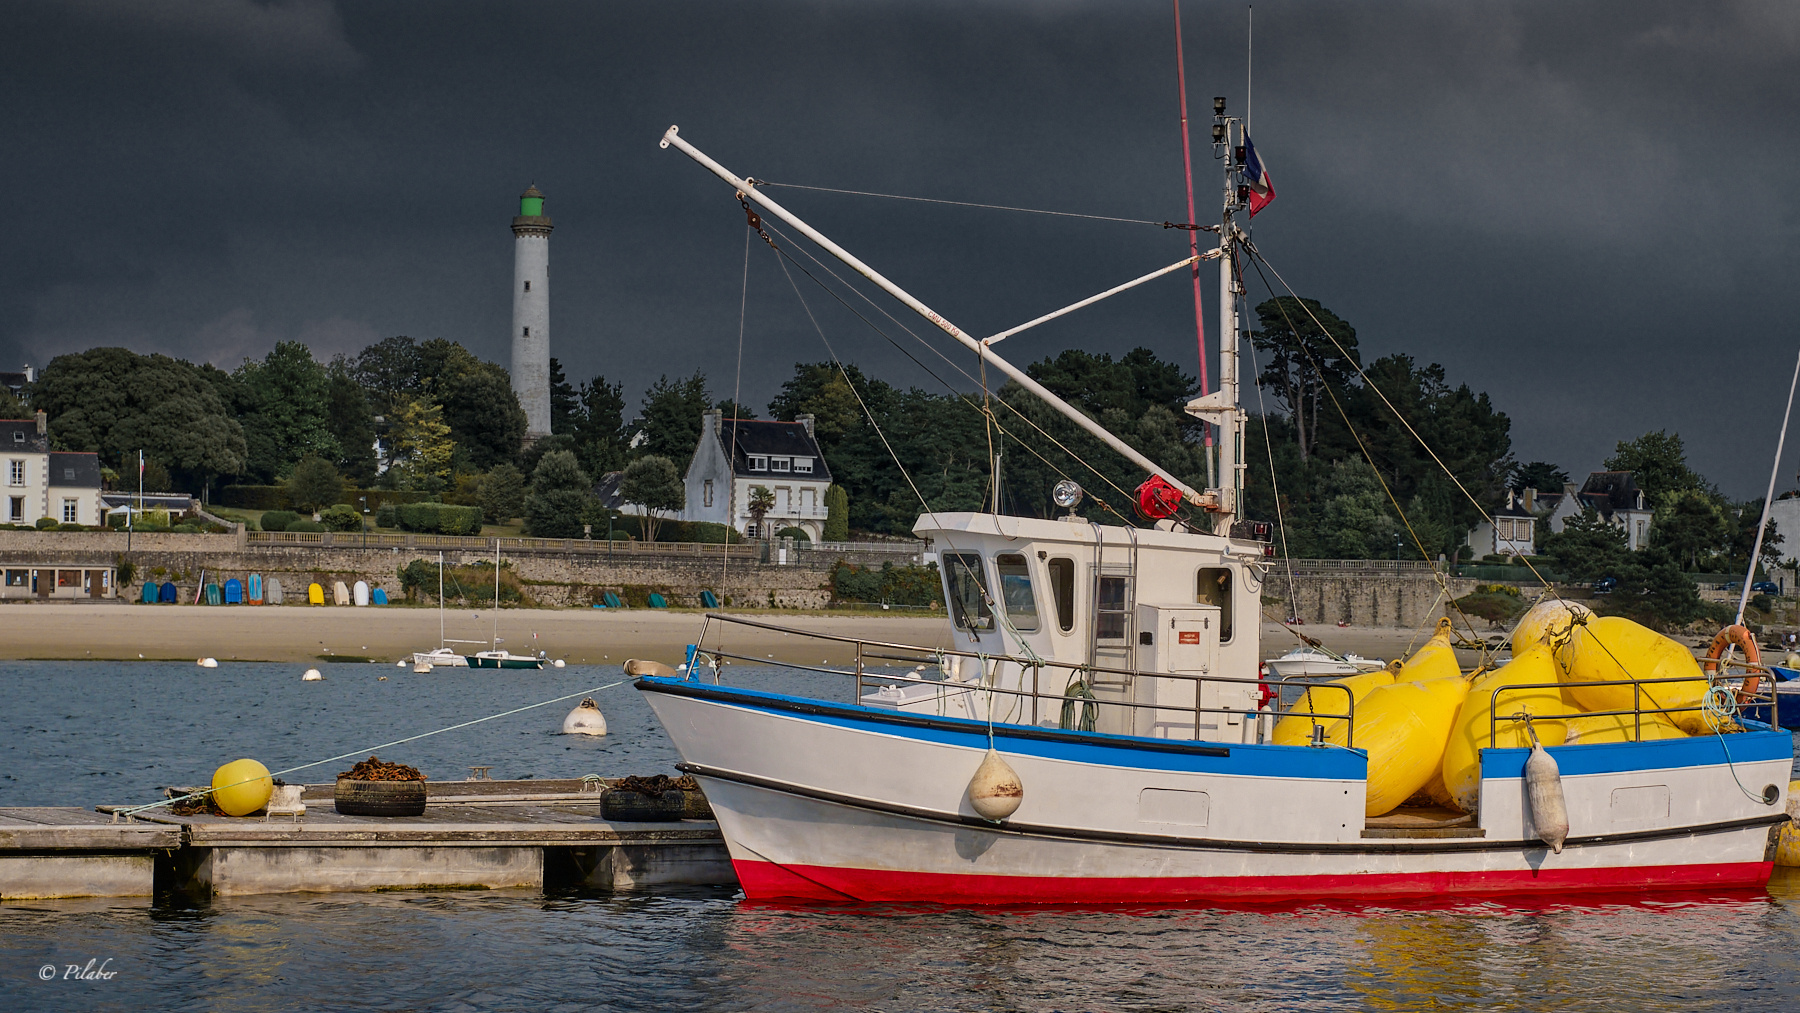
[1329, 763]
[1619, 757]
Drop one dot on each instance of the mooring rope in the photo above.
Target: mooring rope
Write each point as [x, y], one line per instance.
[128, 813]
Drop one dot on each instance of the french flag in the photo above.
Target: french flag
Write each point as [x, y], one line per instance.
[1262, 188]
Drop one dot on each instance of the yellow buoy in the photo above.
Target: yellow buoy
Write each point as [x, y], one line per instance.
[1405, 727]
[1612, 648]
[1296, 730]
[1591, 729]
[1435, 660]
[1548, 622]
[241, 787]
[1462, 754]
[1788, 851]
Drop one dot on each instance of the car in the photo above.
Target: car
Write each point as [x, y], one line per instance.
[1606, 585]
[1766, 587]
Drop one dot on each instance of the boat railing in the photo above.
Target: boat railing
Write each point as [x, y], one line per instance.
[907, 654]
[1757, 697]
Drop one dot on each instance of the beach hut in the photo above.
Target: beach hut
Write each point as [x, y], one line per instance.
[234, 592]
[378, 596]
[255, 596]
[147, 594]
[212, 593]
[360, 593]
[315, 595]
[272, 593]
[166, 594]
[340, 595]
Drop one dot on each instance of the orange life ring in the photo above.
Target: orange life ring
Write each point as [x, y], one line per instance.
[1743, 639]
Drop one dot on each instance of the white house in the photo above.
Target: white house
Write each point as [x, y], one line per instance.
[41, 482]
[1512, 532]
[736, 455]
[1613, 495]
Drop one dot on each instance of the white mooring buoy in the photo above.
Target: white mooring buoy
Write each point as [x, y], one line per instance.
[1543, 790]
[208, 663]
[585, 719]
[995, 791]
[312, 675]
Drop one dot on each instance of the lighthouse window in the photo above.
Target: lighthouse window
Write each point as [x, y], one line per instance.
[1015, 591]
[528, 332]
[528, 286]
[968, 591]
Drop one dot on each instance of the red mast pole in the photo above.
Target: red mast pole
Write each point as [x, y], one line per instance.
[1187, 164]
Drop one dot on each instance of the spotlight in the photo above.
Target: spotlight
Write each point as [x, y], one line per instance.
[1066, 494]
[1218, 133]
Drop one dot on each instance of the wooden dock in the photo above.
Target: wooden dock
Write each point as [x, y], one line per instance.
[473, 835]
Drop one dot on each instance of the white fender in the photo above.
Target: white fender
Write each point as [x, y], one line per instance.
[1543, 790]
[995, 791]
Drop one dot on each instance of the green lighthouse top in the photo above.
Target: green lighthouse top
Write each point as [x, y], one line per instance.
[531, 203]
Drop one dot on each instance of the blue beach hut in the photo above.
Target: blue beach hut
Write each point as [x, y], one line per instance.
[234, 592]
[166, 594]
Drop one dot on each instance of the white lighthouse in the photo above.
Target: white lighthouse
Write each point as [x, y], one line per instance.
[531, 313]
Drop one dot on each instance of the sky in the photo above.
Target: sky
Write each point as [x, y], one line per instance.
[1585, 210]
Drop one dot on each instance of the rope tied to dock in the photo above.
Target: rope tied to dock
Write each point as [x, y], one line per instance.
[129, 813]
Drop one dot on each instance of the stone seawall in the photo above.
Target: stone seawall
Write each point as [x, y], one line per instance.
[1406, 600]
[550, 578]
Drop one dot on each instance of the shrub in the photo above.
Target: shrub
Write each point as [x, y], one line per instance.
[438, 518]
[124, 570]
[186, 529]
[388, 516]
[46, 523]
[70, 526]
[315, 484]
[561, 496]
[308, 526]
[629, 526]
[797, 534]
[279, 520]
[502, 493]
[341, 517]
[896, 585]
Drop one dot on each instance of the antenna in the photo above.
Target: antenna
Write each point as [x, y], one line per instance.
[1187, 164]
[1249, 52]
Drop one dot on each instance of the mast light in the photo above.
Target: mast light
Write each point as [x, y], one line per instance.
[1219, 105]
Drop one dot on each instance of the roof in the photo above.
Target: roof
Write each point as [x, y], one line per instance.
[607, 490]
[13, 381]
[73, 469]
[1608, 491]
[756, 437]
[32, 442]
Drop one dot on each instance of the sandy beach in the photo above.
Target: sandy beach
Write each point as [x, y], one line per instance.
[310, 633]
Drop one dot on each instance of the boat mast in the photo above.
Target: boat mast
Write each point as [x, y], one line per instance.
[441, 642]
[1221, 406]
[748, 191]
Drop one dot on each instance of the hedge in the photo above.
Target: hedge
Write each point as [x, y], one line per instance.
[279, 520]
[275, 497]
[668, 530]
[439, 518]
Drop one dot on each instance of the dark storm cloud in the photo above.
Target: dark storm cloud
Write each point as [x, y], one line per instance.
[1585, 210]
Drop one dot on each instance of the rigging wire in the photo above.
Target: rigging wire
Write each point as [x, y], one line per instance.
[974, 204]
[737, 386]
[1274, 484]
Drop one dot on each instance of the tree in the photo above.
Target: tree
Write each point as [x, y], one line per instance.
[113, 401]
[561, 497]
[670, 421]
[1304, 363]
[1540, 475]
[837, 514]
[503, 494]
[732, 410]
[1694, 528]
[1658, 463]
[480, 407]
[314, 485]
[11, 407]
[290, 398]
[761, 502]
[1358, 522]
[655, 484]
[389, 371]
[350, 421]
[422, 445]
[600, 426]
[565, 405]
[1587, 548]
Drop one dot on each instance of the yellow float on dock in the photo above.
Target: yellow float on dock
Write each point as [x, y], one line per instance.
[241, 787]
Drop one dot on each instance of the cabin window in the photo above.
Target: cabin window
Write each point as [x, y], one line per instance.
[1213, 587]
[968, 591]
[1109, 608]
[1062, 590]
[1015, 591]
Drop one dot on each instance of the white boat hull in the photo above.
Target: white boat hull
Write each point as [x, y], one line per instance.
[826, 801]
[444, 658]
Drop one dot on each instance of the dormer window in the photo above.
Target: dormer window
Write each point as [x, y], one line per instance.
[759, 462]
[803, 465]
[780, 463]
[18, 436]
[68, 474]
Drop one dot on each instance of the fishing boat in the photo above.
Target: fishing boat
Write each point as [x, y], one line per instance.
[1098, 732]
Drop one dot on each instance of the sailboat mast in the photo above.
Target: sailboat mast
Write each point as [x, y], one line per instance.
[440, 599]
[496, 644]
[1231, 428]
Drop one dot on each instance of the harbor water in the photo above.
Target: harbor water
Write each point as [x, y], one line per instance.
[86, 733]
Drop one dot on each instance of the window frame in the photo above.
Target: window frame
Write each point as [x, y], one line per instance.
[799, 461]
[15, 474]
[1006, 598]
[960, 567]
[1062, 593]
[758, 462]
[781, 464]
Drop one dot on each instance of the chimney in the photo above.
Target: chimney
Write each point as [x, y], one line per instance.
[807, 421]
[30, 374]
[1530, 500]
[711, 420]
[43, 422]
